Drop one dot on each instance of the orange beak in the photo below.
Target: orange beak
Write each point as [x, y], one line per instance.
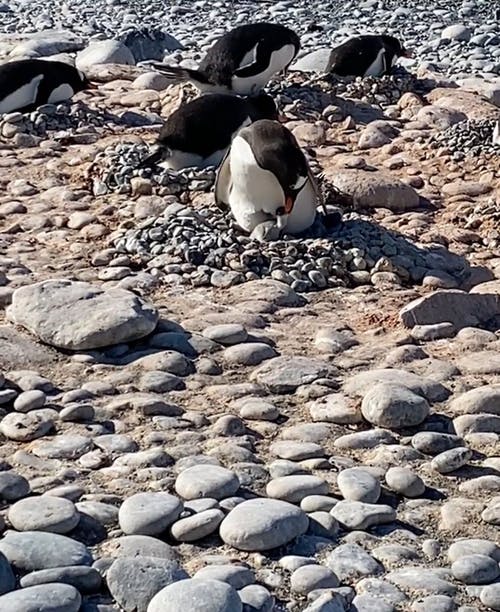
[288, 205]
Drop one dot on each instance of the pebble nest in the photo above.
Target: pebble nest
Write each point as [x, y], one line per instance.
[203, 247]
[468, 138]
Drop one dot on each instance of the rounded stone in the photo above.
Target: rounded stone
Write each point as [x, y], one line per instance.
[434, 603]
[85, 579]
[262, 524]
[451, 460]
[490, 596]
[36, 550]
[13, 486]
[45, 513]
[197, 526]
[227, 334]
[295, 487]
[134, 581]
[311, 577]
[394, 406]
[148, 513]
[29, 400]
[7, 578]
[357, 484]
[256, 597]
[473, 546]
[25, 427]
[237, 576]
[404, 481]
[206, 481]
[196, 596]
[475, 569]
[42, 598]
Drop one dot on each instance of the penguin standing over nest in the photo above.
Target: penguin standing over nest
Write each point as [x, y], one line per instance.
[242, 61]
[267, 183]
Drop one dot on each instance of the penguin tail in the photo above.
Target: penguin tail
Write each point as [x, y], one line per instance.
[181, 74]
[153, 159]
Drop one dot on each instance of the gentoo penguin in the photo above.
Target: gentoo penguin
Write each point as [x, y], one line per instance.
[242, 61]
[27, 84]
[266, 181]
[368, 55]
[496, 133]
[199, 133]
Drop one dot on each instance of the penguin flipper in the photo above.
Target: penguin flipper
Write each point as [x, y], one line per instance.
[223, 182]
[181, 74]
[152, 159]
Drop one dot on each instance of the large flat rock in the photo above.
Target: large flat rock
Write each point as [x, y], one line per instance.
[451, 306]
[78, 316]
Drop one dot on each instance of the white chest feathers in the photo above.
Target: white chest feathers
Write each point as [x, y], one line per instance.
[378, 66]
[496, 134]
[60, 93]
[254, 194]
[278, 60]
[25, 95]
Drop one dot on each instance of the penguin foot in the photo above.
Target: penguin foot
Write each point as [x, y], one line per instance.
[266, 232]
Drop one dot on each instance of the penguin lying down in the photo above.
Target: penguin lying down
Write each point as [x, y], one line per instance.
[27, 84]
[199, 133]
[367, 55]
[266, 182]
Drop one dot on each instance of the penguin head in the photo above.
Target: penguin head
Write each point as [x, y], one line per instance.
[395, 45]
[275, 149]
[263, 106]
[81, 82]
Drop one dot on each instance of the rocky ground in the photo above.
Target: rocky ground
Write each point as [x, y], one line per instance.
[308, 425]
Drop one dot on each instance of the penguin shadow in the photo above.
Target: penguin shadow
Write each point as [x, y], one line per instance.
[313, 99]
[340, 228]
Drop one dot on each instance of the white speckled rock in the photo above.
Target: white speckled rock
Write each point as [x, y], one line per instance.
[44, 513]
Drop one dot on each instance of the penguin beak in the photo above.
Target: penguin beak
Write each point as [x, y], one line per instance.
[90, 85]
[407, 53]
[289, 202]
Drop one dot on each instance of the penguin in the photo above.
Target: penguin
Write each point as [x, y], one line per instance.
[242, 61]
[27, 84]
[496, 134]
[267, 183]
[367, 55]
[199, 133]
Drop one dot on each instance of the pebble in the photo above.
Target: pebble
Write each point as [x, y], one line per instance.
[36, 550]
[295, 487]
[53, 514]
[149, 513]
[311, 577]
[198, 526]
[42, 598]
[134, 581]
[394, 406]
[475, 569]
[237, 576]
[84, 579]
[196, 596]
[404, 481]
[262, 524]
[351, 562]
[451, 460]
[206, 481]
[13, 486]
[29, 400]
[256, 597]
[490, 596]
[357, 484]
[360, 515]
